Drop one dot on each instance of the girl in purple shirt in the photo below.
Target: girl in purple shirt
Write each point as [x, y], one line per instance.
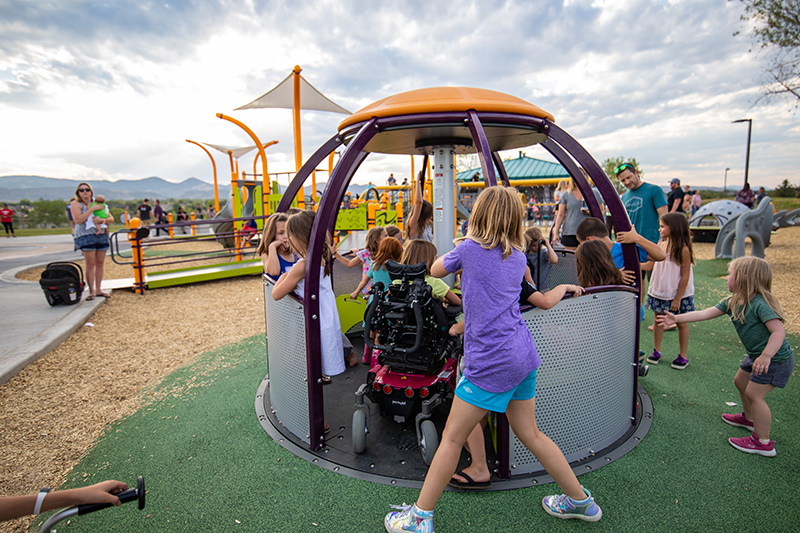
[500, 374]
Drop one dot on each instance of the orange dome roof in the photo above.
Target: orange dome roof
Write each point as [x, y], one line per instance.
[443, 99]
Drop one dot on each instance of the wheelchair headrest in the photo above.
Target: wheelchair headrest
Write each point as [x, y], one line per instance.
[409, 272]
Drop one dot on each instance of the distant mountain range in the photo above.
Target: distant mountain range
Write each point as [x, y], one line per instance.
[15, 188]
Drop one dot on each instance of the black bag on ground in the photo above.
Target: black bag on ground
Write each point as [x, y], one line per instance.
[62, 283]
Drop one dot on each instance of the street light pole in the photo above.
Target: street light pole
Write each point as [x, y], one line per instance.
[725, 182]
[747, 158]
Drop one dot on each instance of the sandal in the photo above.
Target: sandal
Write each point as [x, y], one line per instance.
[470, 484]
[104, 295]
[326, 380]
[90, 298]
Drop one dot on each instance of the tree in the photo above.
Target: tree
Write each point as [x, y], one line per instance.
[47, 212]
[784, 190]
[776, 31]
[610, 164]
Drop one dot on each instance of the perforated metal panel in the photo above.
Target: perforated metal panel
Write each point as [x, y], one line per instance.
[565, 270]
[584, 387]
[286, 356]
[345, 281]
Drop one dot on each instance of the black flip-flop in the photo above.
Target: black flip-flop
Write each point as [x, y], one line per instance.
[471, 484]
[89, 298]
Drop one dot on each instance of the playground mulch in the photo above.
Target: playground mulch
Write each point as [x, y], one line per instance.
[112, 373]
[54, 410]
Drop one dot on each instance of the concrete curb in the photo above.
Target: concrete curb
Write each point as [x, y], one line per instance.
[48, 340]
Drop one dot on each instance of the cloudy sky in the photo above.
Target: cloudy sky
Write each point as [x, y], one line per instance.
[111, 89]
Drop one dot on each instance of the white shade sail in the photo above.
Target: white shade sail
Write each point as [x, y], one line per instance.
[282, 96]
[236, 152]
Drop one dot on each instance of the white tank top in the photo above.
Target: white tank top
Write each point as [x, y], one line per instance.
[666, 278]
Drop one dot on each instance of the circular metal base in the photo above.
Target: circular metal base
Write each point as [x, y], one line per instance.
[335, 460]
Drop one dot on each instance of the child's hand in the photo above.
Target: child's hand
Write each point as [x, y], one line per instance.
[675, 305]
[628, 276]
[627, 237]
[354, 295]
[457, 329]
[667, 319]
[761, 365]
[576, 290]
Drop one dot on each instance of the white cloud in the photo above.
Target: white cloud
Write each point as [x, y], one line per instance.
[99, 90]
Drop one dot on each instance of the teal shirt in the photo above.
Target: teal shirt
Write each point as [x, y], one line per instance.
[641, 205]
[753, 331]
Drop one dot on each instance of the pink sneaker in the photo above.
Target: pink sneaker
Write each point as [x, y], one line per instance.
[367, 355]
[738, 420]
[374, 360]
[751, 444]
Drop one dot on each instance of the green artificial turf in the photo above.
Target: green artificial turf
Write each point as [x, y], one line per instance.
[209, 466]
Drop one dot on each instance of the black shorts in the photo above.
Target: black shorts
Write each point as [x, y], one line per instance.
[570, 241]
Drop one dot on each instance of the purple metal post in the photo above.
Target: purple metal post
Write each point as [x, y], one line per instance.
[501, 168]
[325, 218]
[621, 222]
[482, 146]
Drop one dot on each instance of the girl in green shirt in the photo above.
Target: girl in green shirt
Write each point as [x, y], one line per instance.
[757, 317]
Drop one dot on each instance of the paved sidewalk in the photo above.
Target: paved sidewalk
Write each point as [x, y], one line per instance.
[29, 327]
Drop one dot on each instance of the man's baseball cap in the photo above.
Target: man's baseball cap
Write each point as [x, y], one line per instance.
[675, 180]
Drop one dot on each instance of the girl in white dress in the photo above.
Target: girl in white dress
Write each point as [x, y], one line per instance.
[298, 228]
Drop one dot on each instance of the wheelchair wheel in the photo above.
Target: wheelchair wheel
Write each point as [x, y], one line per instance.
[430, 441]
[359, 431]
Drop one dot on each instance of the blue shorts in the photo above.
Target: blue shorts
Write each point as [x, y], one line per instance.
[659, 306]
[777, 375]
[92, 243]
[496, 401]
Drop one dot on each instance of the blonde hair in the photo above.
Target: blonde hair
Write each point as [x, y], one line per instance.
[78, 194]
[573, 186]
[751, 276]
[563, 185]
[419, 251]
[496, 220]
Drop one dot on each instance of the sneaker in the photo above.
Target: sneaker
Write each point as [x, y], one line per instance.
[374, 360]
[563, 506]
[654, 358]
[740, 421]
[680, 362]
[409, 518]
[367, 355]
[751, 444]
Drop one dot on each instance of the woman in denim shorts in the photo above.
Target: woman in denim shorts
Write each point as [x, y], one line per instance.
[87, 241]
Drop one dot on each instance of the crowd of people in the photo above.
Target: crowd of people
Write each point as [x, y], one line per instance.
[500, 266]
